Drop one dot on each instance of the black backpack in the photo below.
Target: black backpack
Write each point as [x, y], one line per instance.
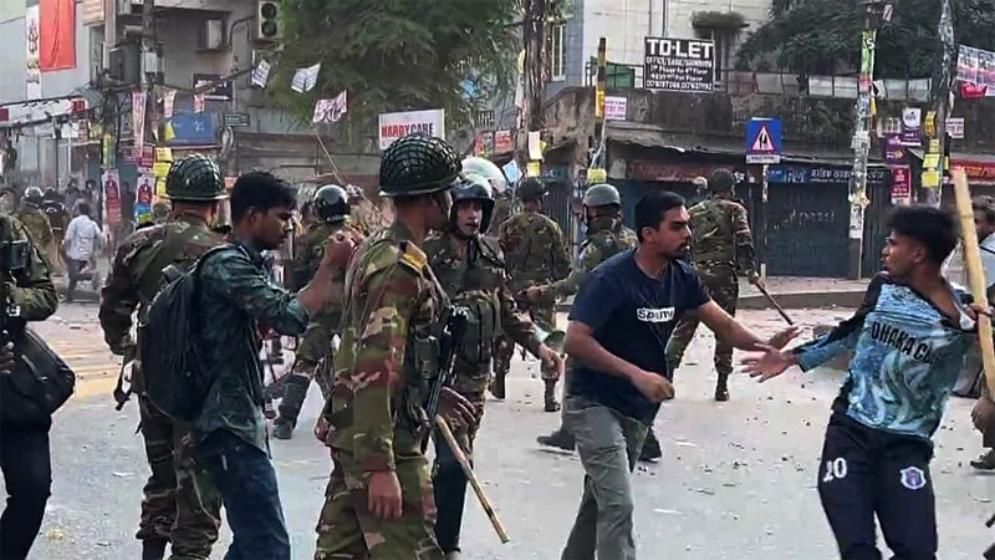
[168, 348]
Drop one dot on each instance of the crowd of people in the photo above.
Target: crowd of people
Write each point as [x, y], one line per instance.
[406, 328]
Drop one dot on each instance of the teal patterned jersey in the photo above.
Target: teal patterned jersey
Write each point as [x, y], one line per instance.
[906, 357]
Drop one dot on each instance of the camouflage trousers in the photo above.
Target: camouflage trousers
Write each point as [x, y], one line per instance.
[449, 481]
[504, 348]
[315, 350]
[181, 504]
[347, 530]
[724, 290]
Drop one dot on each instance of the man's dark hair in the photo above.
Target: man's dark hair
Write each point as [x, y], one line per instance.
[261, 191]
[985, 205]
[651, 208]
[84, 208]
[931, 227]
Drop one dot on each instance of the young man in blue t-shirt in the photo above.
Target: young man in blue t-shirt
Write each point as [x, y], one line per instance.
[908, 341]
[618, 332]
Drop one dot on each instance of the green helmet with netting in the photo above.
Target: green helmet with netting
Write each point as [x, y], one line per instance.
[195, 178]
[602, 194]
[532, 189]
[417, 164]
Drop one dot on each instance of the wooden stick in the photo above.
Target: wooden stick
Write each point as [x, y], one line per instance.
[485, 503]
[975, 273]
[773, 302]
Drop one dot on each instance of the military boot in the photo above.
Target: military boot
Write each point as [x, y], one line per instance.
[449, 486]
[497, 385]
[551, 403]
[290, 407]
[722, 388]
[153, 549]
[651, 451]
[561, 439]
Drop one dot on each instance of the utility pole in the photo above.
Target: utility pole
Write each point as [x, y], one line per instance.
[933, 177]
[877, 13]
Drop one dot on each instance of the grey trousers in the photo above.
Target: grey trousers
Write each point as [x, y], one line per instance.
[608, 444]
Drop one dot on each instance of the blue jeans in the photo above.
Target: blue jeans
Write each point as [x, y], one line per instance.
[245, 477]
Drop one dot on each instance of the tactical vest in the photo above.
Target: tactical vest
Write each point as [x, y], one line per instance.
[609, 237]
[713, 234]
[473, 284]
[528, 253]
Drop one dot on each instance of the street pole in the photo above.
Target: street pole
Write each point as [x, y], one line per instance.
[763, 221]
[943, 85]
[877, 12]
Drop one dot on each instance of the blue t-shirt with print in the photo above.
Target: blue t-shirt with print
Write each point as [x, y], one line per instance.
[632, 315]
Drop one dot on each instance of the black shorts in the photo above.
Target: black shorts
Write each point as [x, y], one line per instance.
[867, 472]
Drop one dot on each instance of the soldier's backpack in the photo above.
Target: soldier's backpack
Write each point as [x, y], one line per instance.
[174, 380]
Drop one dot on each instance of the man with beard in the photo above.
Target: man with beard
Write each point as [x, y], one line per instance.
[619, 327]
[470, 268]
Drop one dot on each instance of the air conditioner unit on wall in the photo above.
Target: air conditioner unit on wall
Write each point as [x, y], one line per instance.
[129, 7]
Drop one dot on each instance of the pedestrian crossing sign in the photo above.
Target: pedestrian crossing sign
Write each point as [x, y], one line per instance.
[763, 141]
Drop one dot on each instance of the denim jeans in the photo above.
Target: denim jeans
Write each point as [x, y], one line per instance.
[246, 479]
[608, 444]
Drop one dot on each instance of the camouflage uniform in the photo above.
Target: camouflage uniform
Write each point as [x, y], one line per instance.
[503, 205]
[316, 342]
[35, 220]
[393, 305]
[722, 247]
[384, 369]
[330, 210]
[474, 278]
[536, 254]
[180, 503]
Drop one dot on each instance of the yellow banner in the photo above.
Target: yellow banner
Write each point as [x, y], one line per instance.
[161, 169]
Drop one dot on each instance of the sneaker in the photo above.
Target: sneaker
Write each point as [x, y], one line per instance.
[283, 429]
[651, 449]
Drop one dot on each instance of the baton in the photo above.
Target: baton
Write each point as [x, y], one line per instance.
[774, 303]
[485, 503]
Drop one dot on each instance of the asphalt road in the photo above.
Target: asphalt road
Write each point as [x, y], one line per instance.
[737, 480]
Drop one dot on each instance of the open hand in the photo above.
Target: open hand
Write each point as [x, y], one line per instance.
[781, 339]
[321, 429]
[976, 310]
[769, 364]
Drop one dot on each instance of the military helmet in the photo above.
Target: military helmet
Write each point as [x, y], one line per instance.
[602, 194]
[418, 164]
[33, 195]
[532, 189]
[331, 204]
[722, 180]
[474, 187]
[488, 170]
[195, 178]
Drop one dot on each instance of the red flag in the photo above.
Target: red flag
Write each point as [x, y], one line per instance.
[58, 34]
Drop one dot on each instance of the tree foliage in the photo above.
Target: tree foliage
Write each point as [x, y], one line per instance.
[823, 36]
[396, 55]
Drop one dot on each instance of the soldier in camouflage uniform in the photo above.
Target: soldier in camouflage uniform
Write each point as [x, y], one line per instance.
[499, 188]
[25, 452]
[330, 209]
[471, 269]
[606, 237]
[722, 251]
[379, 502]
[536, 254]
[34, 218]
[181, 505]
